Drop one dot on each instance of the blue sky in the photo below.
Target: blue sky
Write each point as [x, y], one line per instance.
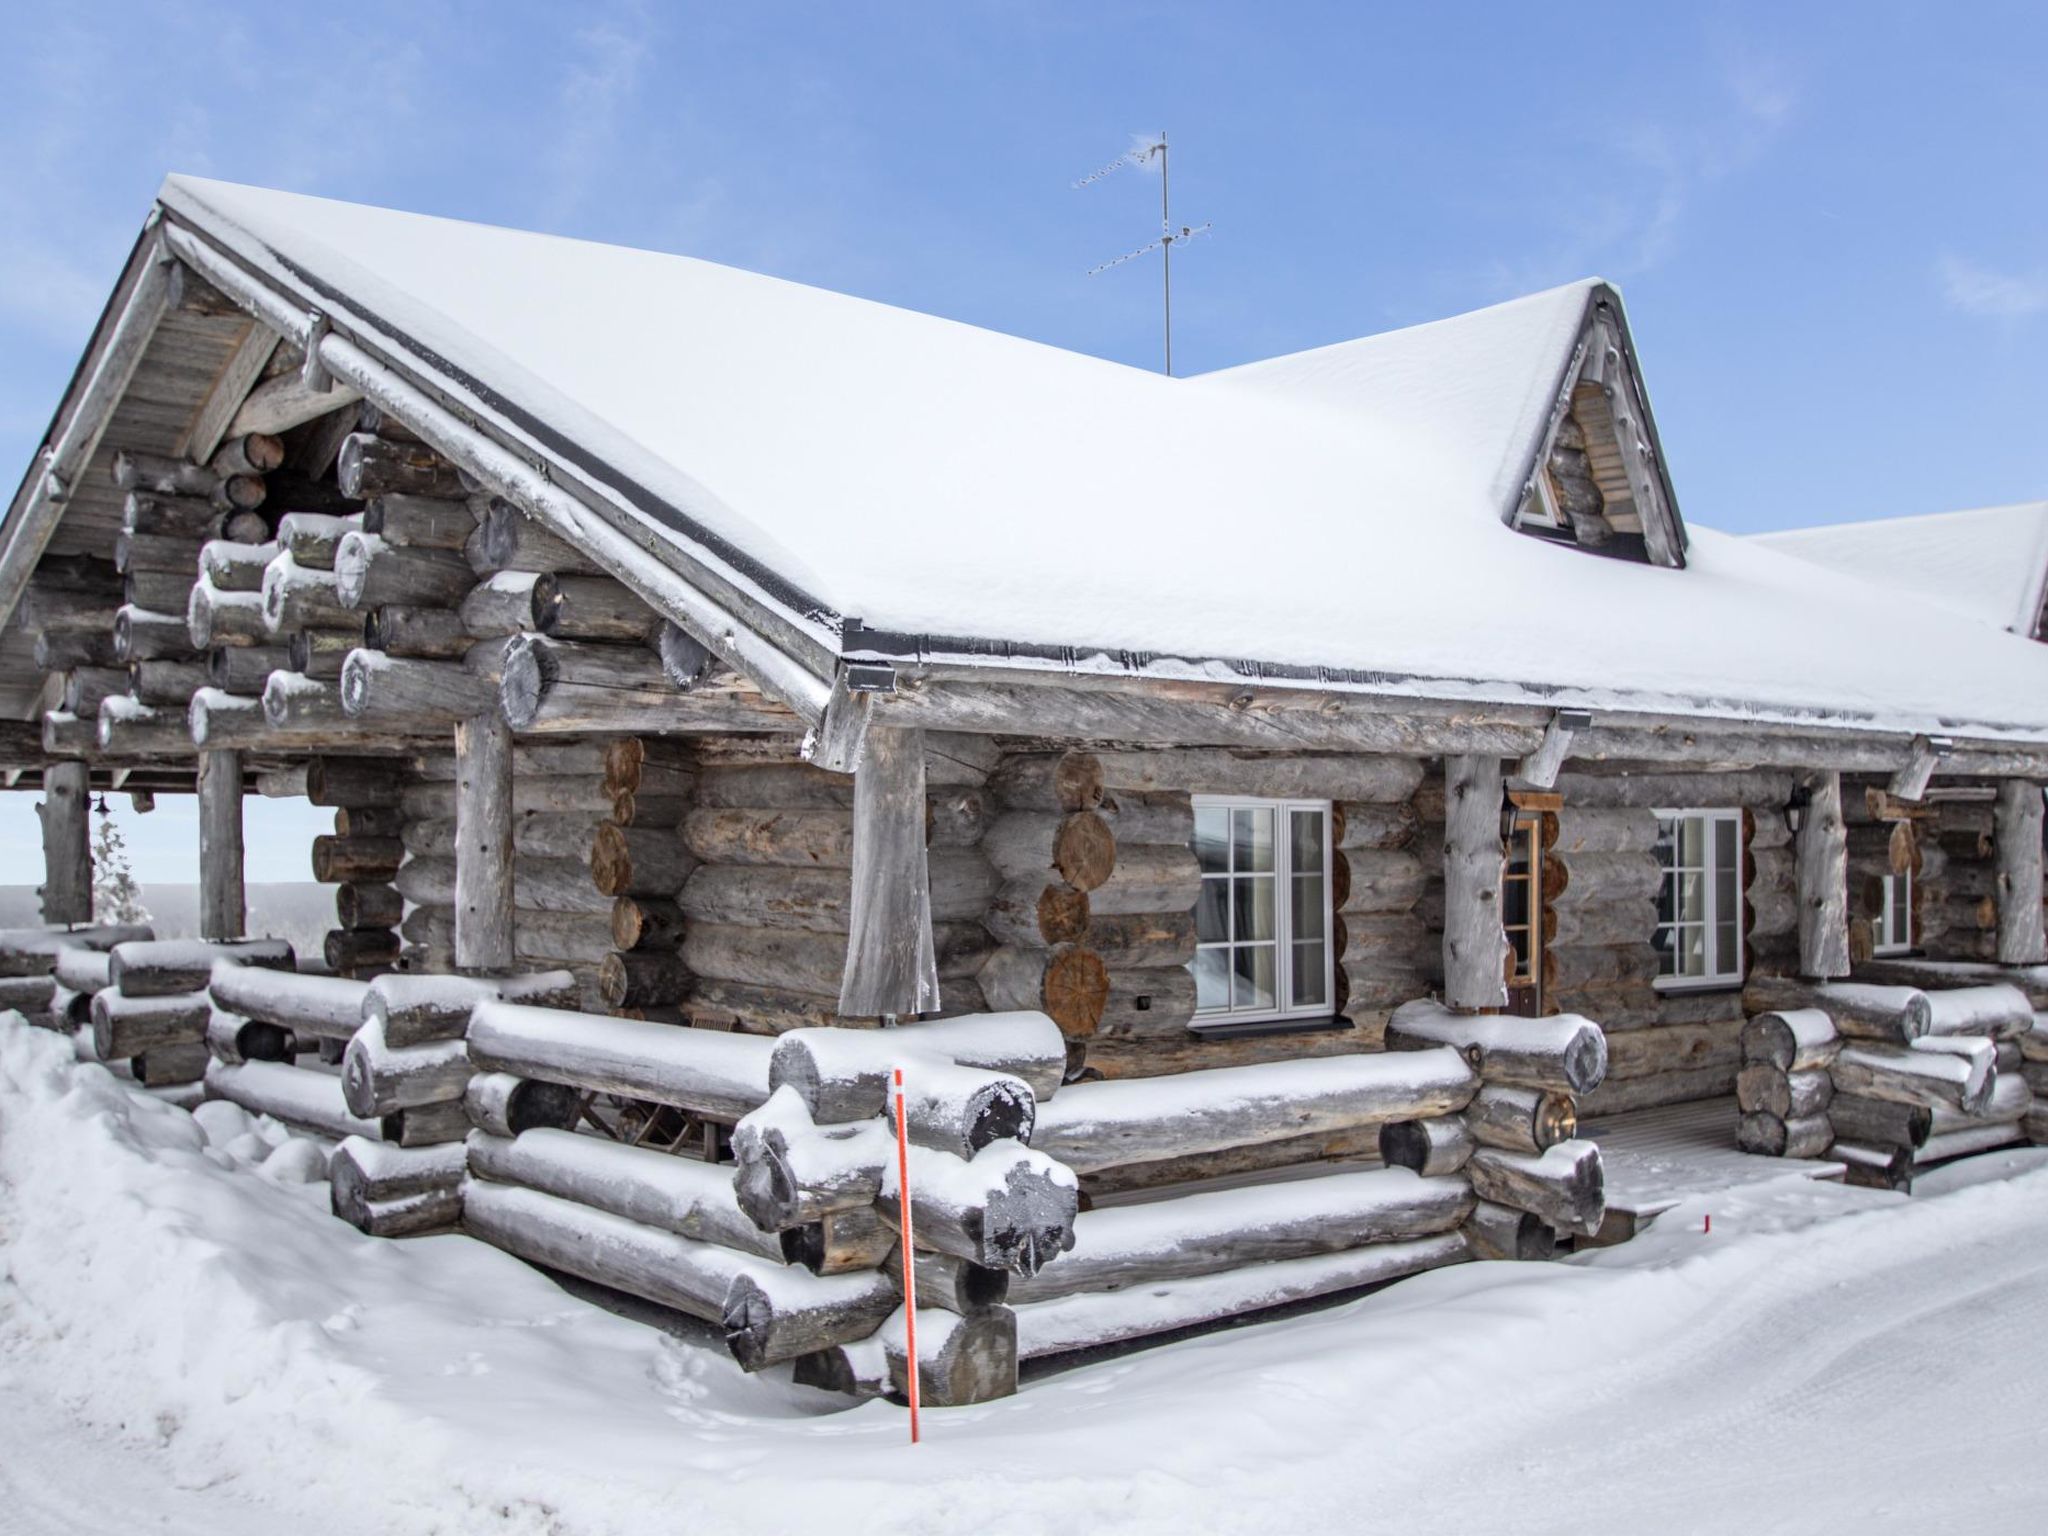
[1827, 219]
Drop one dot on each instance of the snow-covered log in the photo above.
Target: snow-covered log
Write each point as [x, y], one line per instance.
[500, 1104]
[1563, 1184]
[34, 951]
[1915, 1076]
[845, 1074]
[124, 1026]
[1876, 1166]
[370, 571]
[1859, 1010]
[1199, 1234]
[961, 1359]
[792, 1171]
[377, 1188]
[716, 1075]
[1963, 1143]
[1006, 1208]
[82, 969]
[1428, 1147]
[1998, 1011]
[29, 995]
[772, 1315]
[946, 1282]
[171, 967]
[689, 1275]
[1879, 1122]
[843, 1241]
[413, 1010]
[1098, 1125]
[2021, 938]
[1791, 1040]
[1096, 1318]
[406, 691]
[951, 1108]
[1563, 1054]
[420, 522]
[172, 1066]
[677, 1194]
[308, 1101]
[2008, 1103]
[329, 1007]
[381, 1079]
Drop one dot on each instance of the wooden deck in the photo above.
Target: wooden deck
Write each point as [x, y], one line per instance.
[1655, 1158]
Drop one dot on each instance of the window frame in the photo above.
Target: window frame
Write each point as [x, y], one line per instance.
[1900, 902]
[1714, 980]
[1526, 828]
[1283, 915]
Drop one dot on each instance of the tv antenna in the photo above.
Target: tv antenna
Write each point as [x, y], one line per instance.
[1169, 236]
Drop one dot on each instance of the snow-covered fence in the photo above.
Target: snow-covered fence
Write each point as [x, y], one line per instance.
[1515, 1142]
[49, 975]
[156, 1011]
[262, 1017]
[1890, 1078]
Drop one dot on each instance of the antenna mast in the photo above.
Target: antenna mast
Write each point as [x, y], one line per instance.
[1144, 154]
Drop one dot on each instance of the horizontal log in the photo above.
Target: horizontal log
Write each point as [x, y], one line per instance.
[129, 1026]
[810, 962]
[1879, 1122]
[512, 541]
[307, 1101]
[1095, 1319]
[573, 607]
[772, 896]
[691, 1199]
[1561, 1054]
[1768, 1135]
[329, 1007]
[1763, 1089]
[633, 861]
[540, 835]
[1427, 1147]
[365, 859]
[719, 1076]
[413, 1010]
[1860, 1011]
[1502, 1232]
[1792, 1040]
[296, 596]
[420, 522]
[1520, 1119]
[379, 1079]
[544, 885]
[642, 978]
[502, 1105]
[1914, 1076]
[143, 635]
[370, 571]
[1099, 1125]
[768, 1319]
[174, 967]
[1564, 1185]
[420, 694]
[1282, 775]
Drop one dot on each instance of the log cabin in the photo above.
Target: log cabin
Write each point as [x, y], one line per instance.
[1229, 831]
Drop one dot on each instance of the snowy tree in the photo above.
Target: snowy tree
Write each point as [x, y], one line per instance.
[116, 897]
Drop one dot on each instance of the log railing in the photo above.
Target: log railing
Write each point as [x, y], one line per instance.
[1887, 1077]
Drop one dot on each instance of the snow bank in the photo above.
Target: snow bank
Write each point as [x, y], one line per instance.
[229, 1332]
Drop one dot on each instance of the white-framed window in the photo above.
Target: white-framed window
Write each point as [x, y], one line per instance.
[1699, 903]
[1262, 925]
[1892, 929]
[1539, 507]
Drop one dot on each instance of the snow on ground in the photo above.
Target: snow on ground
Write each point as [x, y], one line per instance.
[188, 1342]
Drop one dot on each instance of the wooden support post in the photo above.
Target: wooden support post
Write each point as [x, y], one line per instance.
[1475, 941]
[891, 964]
[483, 843]
[1821, 857]
[2018, 827]
[222, 913]
[67, 843]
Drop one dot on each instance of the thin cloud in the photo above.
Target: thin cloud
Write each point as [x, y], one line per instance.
[598, 84]
[1979, 290]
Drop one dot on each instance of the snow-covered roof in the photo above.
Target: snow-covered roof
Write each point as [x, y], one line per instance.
[1342, 509]
[1990, 564]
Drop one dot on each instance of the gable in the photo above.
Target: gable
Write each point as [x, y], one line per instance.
[1597, 480]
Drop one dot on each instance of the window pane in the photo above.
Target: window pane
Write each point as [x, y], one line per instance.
[1724, 949]
[1308, 840]
[1692, 842]
[1667, 900]
[1308, 976]
[1252, 970]
[1514, 899]
[1692, 898]
[1307, 911]
[1666, 940]
[1212, 838]
[1692, 950]
[1252, 834]
[1666, 845]
[1212, 978]
[1724, 841]
[1212, 912]
[1254, 915]
[1725, 896]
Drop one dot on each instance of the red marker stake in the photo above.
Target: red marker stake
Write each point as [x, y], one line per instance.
[909, 1272]
[1710, 1223]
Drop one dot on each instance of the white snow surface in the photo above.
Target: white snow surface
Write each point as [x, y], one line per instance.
[1341, 509]
[188, 1347]
[1989, 564]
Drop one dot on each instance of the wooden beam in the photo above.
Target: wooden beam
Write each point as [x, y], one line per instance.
[222, 910]
[279, 404]
[1475, 938]
[1539, 769]
[1821, 858]
[483, 843]
[838, 740]
[891, 964]
[67, 843]
[223, 402]
[2017, 821]
[1910, 782]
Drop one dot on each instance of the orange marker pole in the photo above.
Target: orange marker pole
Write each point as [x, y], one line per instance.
[909, 1271]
